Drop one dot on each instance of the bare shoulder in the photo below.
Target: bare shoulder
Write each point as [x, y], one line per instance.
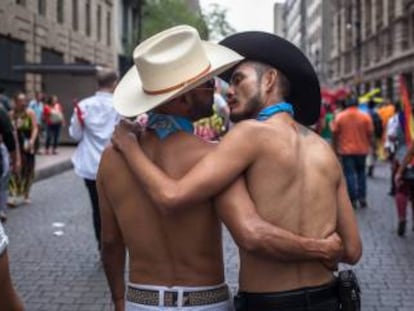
[111, 161]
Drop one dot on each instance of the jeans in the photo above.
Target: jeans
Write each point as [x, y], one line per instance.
[354, 170]
[52, 135]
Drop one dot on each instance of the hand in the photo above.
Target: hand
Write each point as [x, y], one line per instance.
[124, 134]
[334, 251]
[16, 164]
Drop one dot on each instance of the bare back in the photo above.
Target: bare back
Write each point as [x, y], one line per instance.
[293, 183]
[183, 248]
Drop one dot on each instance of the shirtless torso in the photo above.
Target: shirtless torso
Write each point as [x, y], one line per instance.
[182, 249]
[306, 201]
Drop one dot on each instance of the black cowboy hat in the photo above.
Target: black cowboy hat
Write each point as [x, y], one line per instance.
[281, 54]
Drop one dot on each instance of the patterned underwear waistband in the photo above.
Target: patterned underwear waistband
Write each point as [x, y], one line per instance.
[171, 297]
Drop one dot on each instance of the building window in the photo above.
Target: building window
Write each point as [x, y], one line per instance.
[391, 11]
[88, 18]
[405, 34]
[21, 2]
[59, 11]
[368, 8]
[390, 88]
[41, 7]
[75, 18]
[379, 10]
[412, 29]
[98, 22]
[108, 28]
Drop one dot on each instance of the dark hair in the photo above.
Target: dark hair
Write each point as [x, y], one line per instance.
[371, 104]
[282, 81]
[106, 77]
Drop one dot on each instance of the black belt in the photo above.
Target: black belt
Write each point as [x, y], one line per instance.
[190, 298]
[294, 298]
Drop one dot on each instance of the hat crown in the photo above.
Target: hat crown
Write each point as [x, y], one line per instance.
[170, 59]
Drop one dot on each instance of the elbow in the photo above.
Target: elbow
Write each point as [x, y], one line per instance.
[168, 201]
[249, 238]
[353, 253]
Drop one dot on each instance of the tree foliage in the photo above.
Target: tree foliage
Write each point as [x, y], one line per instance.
[162, 14]
[216, 20]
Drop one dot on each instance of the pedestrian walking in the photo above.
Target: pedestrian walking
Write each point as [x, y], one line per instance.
[294, 177]
[353, 131]
[403, 180]
[24, 121]
[91, 125]
[54, 119]
[37, 105]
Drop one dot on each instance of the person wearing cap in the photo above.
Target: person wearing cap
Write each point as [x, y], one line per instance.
[176, 261]
[9, 299]
[292, 175]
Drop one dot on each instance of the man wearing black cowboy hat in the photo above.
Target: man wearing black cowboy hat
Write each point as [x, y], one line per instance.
[292, 175]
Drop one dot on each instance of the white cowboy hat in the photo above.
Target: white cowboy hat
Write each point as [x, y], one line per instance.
[167, 65]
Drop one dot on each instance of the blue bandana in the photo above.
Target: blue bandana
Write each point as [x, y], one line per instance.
[165, 125]
[269, 111]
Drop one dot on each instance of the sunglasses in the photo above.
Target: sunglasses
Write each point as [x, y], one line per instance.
[208, 85]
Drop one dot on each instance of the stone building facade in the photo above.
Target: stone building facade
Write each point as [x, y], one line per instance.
[53, 32]
[308, 25]
[373, 45]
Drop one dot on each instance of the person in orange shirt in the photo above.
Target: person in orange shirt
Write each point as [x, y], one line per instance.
[353, 132]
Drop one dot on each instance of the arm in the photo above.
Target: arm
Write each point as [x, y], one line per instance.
[208, 177]
[113, 249]
[76, 124]
[236, 209]
[347, 226]
[9, 299]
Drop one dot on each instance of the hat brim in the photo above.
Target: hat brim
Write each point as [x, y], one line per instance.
[281, 54]
[130, 99]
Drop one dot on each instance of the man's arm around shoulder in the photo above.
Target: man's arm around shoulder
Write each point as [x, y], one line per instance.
[113, 248]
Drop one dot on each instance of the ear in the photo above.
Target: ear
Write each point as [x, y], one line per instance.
[269, 80]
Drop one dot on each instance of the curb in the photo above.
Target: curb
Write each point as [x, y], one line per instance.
[53, 170]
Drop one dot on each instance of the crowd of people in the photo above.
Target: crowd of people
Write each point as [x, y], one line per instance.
[361, 132]
[35, 128]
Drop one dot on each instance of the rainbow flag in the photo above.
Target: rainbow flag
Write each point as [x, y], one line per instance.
[406, 108]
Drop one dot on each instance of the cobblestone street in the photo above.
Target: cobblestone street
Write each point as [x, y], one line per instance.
[55, 264]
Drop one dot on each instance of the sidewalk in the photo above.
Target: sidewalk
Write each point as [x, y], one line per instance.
[50, 165]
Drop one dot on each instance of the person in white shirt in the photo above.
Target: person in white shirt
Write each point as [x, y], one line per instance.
[92, 124]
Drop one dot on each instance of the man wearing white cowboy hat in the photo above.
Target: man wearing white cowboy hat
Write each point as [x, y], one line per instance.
[293, 176]
[176, 260]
